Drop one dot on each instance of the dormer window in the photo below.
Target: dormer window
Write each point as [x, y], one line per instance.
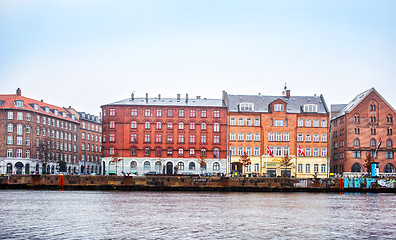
[73, 117]
[36, 107]
[64, 114]
[279, 108]
[56, 112]
[246, 107]
[310, 108]
[19, 103]
[46, 109]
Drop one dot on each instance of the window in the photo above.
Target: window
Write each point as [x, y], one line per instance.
[10, 127]
[373, 131]
[286, 137]
[170, 138]
[11, 116]
[316, 168]
[112, 111]
[133, 124]
[300, 138]
[356, 142]
[169, 152]
[307, 168]
[158, 125]
[257, 151]
[389, 143]
[19, 141]
[316, 152]
[316, 137]
[134, 112]
[203, 152]
[20, 115]
[192, 113]
[316, 123]
[146, 151]
[372, 107]
[9, 153]
[112, 124]
[232, 137]
[170, 112]
[158, 138]
[246, 107]
[19, 153]
[232, 151]
[159, 112]
[216, 153]
[180, 165]
[216, 127]
[147, 112]
[191, 166]
[240, 136]
[181, 138]
[278, 108]
[10, 140]
[203, 138]
[389, 154]
[308, 137]
[310, 108]
[240, 151]
[248, 151]
[240, 121]
[181, 125]
[147, 125]
[216, 113]
[203, 126]
[278, 137]
[112, 137]
[232, 121]
[181, 112]
[192, 138]
[181, 152]
[248, 122]
[111, 151]
[203, 113]
[271, 137]
[216, 139]
[286, 151]
[324, 123]
[278, 151]
[389, 119]
[372, 142]
[300, 168]
[308, 122]
[300, 122]
[192, 126]
[170, 125]
[323, 138]
[307, 152]
[257, 137]
[192, 152]
[216, 166]
[257, 122]
[389, 131]
[146, 138]
[278, 123]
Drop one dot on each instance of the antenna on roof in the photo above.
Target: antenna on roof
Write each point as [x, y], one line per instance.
[284, 92]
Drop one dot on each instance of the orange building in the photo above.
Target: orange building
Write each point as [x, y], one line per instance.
[267, 128]
[363, 126]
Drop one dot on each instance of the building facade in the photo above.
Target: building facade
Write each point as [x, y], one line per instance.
[36, 136]
[268, 128]
[364, 126]
[164, 135]
[90, 142]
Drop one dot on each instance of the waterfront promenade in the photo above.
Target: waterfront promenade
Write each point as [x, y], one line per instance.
[197, 183]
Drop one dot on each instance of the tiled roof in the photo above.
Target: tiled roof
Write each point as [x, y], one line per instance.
[336, 108]
[191, 102]
[7, 102]
[261, 103]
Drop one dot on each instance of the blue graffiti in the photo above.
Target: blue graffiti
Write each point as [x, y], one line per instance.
[357, 182]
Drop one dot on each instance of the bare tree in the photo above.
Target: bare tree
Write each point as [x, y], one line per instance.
[45, 153]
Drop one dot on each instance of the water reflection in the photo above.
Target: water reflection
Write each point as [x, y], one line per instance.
[190, 215]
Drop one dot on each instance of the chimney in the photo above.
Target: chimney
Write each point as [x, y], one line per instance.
[159, 96]
[224, 95]
[132, 96]
[288, 93]
[186, 97]
[42, 100]
[198, 97]
[19, 92]
[146, 97]
[178, 97]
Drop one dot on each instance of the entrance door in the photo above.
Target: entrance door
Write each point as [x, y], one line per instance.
[169, 168]
[18, 167]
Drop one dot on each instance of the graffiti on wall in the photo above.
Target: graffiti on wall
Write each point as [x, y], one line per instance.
[366, 182]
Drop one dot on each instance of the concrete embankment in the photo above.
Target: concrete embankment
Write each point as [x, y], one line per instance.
[196, 183]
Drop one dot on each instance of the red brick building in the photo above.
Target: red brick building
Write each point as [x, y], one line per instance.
[261, 124]
[357, 130]
[164, 135]
[35, 136]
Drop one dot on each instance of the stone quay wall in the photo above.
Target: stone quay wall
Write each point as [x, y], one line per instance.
[197, 183]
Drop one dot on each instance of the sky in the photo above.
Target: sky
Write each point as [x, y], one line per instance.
[87, 53]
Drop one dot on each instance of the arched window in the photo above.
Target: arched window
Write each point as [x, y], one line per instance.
[133, 151]
[203, 152]
[356, 168]
[19, 129]
[203, 126]
[158, 165]
[356, 142]
[389, 119]
[180, 152]
[191, 166]
[111, 151]
[181, 125]
[169, 152]
[133, 124]
[146, 166]
[133, 166]
[216, 127]
[192, 152]
[147, 125]
[216, 153]
[389, 143]
[158, 125]
[372, 142]
[158, 152]
[10, 127]
[146, 151]
[216, 166]
[389, 168]
[180, 165]
[112, 124]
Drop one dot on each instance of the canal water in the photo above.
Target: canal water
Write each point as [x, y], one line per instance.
[27, 214]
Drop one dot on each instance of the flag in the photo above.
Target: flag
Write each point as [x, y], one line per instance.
[269, 152]
[300, 151]
[379, 143]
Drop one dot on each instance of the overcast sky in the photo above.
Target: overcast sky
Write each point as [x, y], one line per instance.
[88, 53]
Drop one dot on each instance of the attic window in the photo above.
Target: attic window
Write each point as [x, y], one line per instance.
[278, 108]
[35, 106]
[310, 108]
[46, 109]
[246, 107]
[64, 114]
[56, 112]
[73, 117]
[19, 103]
